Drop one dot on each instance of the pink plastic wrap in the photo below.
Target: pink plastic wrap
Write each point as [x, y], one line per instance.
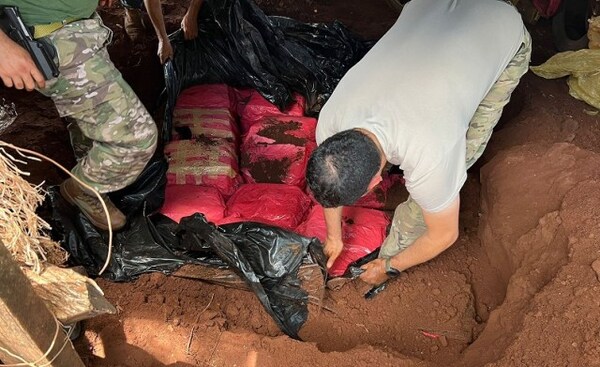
[281, 205]
[207, 96]
[184, 200]
[210, 122]
[547, 8]
[276, 150]
[209, 162]
[387, 195]
[252, 107]
[363, 231]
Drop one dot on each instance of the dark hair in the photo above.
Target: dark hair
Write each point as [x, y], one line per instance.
[340, 169]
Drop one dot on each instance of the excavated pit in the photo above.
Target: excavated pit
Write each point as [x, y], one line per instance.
[520, 286]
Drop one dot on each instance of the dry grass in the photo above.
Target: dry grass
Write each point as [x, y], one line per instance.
[22, 231]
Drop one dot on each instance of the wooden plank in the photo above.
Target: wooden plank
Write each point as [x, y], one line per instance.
[27, 327]
[310, 275]
[70, 296]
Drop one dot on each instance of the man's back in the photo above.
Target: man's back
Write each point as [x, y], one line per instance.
[419, 86]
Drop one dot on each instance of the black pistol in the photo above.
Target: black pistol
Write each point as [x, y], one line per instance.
[41, 53]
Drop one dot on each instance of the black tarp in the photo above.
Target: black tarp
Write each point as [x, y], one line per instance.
[241, 46]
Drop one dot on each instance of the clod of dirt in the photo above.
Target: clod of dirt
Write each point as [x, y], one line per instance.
[596, 267]
[278, 131]
[273, 171]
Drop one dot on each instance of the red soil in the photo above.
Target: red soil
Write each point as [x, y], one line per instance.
[517, 289]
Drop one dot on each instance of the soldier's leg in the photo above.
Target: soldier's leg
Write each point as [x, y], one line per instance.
[407, 226]
[92, 92]
[489, 111]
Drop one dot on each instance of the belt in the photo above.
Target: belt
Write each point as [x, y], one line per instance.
[42, 30]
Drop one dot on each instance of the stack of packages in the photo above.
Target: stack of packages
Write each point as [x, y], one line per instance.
[212, 123]
[203, 159]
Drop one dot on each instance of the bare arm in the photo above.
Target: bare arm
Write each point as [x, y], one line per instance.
[189, 23]
[17, 68]
[333, 243]
[442, 232]
[165, 51]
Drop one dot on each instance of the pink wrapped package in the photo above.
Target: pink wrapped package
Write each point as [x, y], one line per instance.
[191, 123]
[204, 161]
[276, 150]
[363, 231]
[390, 193]
[252, 107]
[185, 200]
[207, 96]
[280, 205]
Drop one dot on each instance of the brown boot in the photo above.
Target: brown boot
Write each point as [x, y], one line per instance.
[134, 25]
[91, 207]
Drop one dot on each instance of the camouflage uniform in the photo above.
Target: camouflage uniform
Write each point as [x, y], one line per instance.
[408, 223]
[91, 92]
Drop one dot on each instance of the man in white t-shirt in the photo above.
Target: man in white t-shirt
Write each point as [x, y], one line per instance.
[426, 97]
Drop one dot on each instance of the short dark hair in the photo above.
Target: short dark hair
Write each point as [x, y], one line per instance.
[340, 169]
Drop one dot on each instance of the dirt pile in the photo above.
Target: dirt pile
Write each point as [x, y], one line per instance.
[531, 229]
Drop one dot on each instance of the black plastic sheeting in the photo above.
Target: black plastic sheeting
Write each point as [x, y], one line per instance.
[240, 46]
[267, 257]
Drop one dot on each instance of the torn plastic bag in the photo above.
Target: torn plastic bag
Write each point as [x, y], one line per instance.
[582, 68]
[239, 45]
[267, 257]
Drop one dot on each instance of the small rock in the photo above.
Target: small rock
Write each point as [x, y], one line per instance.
[396, 300]
[436, 291]
[443, 341]
[434, 348]
[596, 267]
[176, 321]
[436, 304]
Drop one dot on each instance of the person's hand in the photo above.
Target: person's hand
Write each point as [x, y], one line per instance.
[332, 248]
[165, 51]
[189, 24]
[374, 272]
[17, 68]
[106, 3]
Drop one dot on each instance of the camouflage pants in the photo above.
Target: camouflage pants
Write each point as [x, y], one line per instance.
[90, 91]
[408, 223]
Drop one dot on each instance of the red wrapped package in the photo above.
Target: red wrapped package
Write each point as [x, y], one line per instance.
[184, 200]
[191, 123]
[207, 96]
[363, 231]
[253, 107]
[276, 150]
[203, 161]
[390, 193]
[280, 205]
